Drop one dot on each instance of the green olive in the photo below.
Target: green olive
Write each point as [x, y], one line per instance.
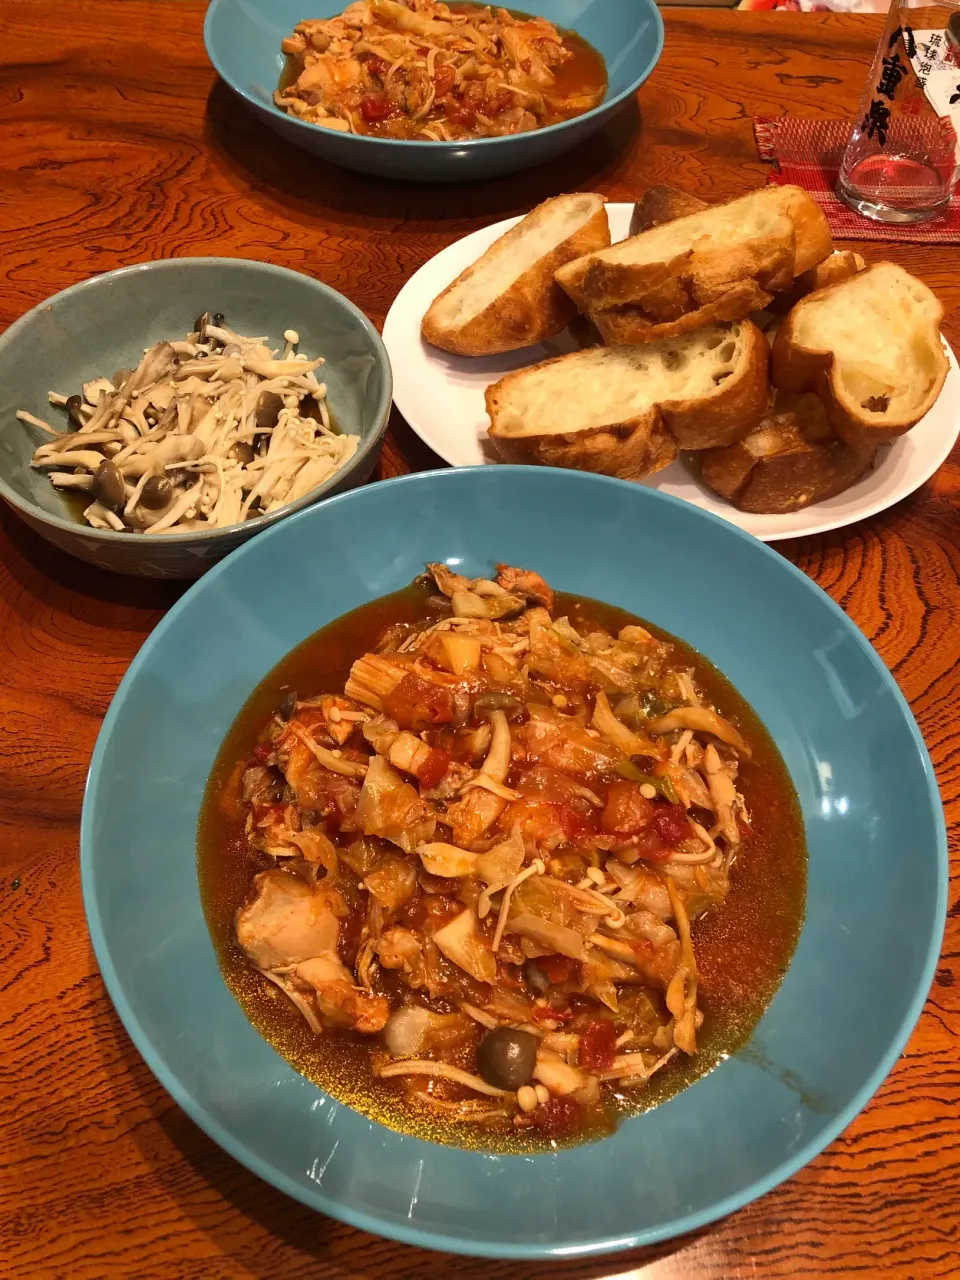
[73, 406]
[156, 493]
[506, 1057]
[243, 453]
[268, 409]
[108, 486]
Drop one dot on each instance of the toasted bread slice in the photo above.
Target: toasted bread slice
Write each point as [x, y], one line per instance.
[659, 205]
[769, 236]
[509, 298]
[840, 266]
[870, 347]
[792, 459]
[625, 411]
[663, 314]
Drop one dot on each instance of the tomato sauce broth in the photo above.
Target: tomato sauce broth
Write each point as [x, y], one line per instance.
[743, 949]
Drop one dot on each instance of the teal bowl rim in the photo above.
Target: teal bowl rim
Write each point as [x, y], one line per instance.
[202, 537]
[319, 1202]
[469, 144]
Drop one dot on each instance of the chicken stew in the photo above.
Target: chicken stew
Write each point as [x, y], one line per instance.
[422, 71]
[496, 866]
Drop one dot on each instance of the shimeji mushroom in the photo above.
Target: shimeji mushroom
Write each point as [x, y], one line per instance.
[205, 432]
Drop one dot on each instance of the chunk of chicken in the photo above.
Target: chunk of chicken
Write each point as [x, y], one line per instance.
[524, 582]
[338, 1000]
[287, 920]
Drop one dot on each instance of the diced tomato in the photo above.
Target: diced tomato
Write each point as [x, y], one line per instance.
[377, 66]
[264, 815]
[433, 768]
[542, 820]
[651, 848]
[444, 78]
[497, 103]
[598, 1045]
[458, 114]
[557, 968]
[670, 823]
[558, 1117]
[375, 107]
[545, 1013]
[261, 752]
[418, 704]
[627, 812]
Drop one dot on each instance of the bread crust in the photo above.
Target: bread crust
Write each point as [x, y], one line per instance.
[840, 266]
[659, 205]
[706, 272]
[790, 461]
[641, 445]
[628, 325]
[801, 368]
[533, 309]
[630, 451]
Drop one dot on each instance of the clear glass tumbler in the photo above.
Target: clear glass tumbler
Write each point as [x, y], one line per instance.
[901, 162]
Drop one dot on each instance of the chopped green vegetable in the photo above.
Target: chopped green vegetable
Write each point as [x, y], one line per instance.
[653, 705]
[627, 769]
[667, 788]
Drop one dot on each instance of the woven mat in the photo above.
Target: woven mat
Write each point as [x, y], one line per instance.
[807, 153]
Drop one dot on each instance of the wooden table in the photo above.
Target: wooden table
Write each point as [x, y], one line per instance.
[117, 144]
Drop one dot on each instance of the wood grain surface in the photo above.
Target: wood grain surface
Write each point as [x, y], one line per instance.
[117, 144]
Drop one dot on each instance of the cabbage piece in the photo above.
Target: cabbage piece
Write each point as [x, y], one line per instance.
[393, 881]
[462, 942]
[501, 863]
[556, 938]
[549, 899]
[391, 808]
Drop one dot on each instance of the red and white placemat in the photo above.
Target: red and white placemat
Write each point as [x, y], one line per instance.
[807, 154]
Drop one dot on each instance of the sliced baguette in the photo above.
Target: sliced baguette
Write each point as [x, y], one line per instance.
[509, 298]
[625, 411]
[840, 266]
[870, 347]
[769, 236]
[659, 205]
[791, 460]
[663, 314]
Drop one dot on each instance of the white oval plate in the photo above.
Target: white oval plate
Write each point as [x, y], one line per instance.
[441, 396]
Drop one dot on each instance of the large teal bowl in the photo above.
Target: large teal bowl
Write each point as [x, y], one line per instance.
[243, 43]
[877, 844]
[104, 323]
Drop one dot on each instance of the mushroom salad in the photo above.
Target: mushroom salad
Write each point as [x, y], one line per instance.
[206, 432]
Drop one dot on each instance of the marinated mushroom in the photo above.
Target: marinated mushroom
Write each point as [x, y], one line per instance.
[506, 1057]
[205, 433]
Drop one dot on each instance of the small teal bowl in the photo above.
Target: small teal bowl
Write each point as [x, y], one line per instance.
[243, 43]
[877, 873]
[104, 324]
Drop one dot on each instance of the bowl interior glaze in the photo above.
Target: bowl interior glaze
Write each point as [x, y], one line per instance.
[877, 871]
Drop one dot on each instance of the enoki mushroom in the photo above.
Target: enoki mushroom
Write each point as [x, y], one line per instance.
[203, 434]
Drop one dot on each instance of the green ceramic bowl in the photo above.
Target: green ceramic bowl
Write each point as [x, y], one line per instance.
[104, 324]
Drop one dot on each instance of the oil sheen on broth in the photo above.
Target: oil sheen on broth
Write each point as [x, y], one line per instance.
[742, 950]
